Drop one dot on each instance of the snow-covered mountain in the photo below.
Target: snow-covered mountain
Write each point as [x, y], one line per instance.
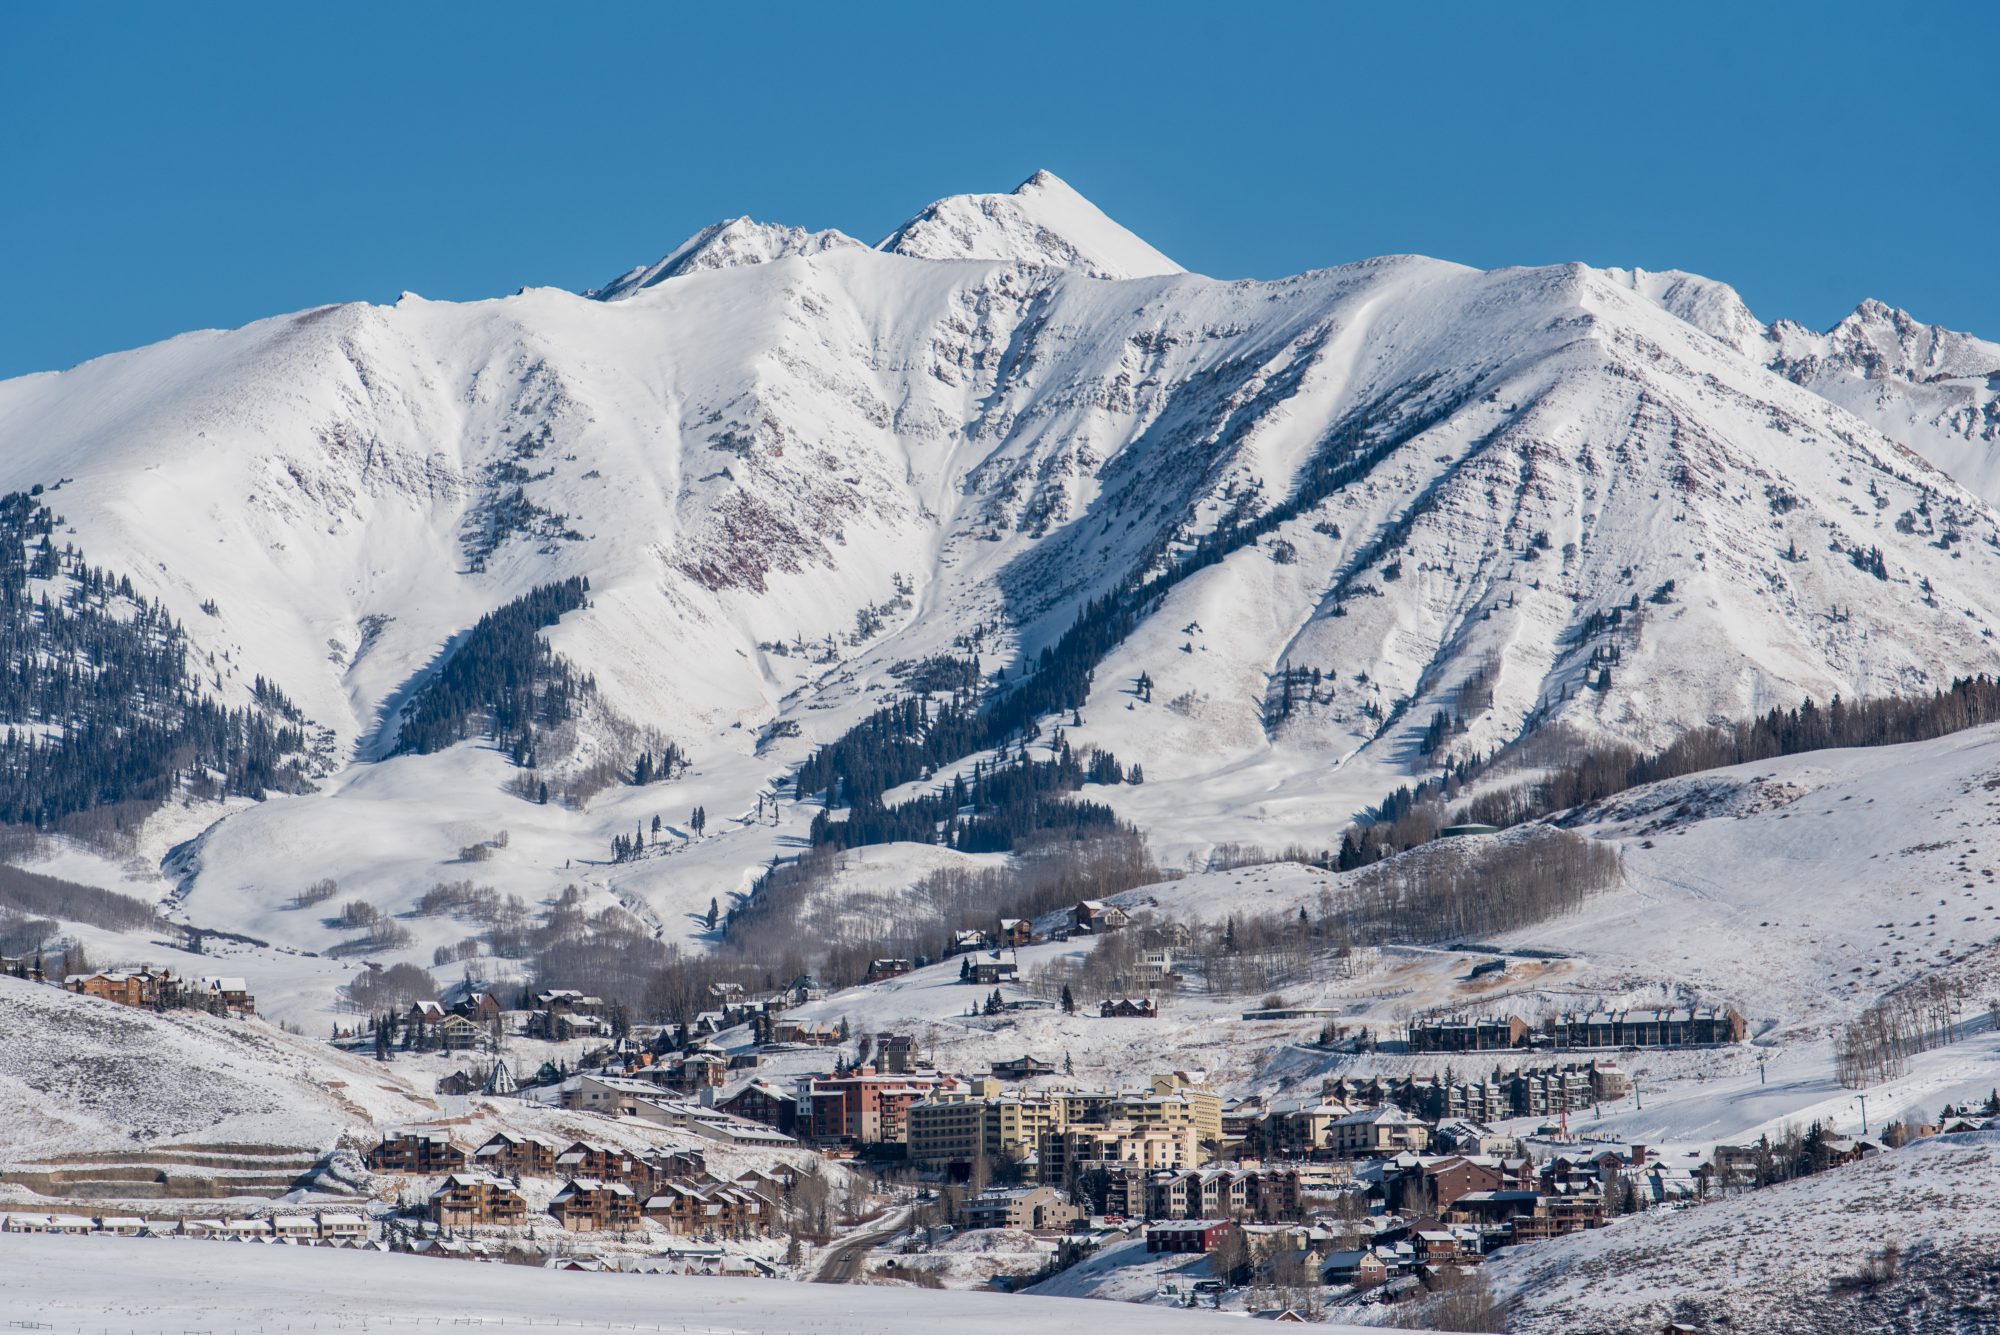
[1932, 389]
[1042, 220]
[723, 245]
[802, 465]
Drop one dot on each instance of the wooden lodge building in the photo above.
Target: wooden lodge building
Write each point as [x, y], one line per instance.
[509, 1155]
[465, 1200]
[588, 1205]
[417, 1151]
[1653, 1027]
[1489, 1033]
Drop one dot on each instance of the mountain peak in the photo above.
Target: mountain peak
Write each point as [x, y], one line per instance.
[730, 244]
[1041, 221]
[1871, 310]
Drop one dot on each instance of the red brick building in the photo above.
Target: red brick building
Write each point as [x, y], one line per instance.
[867, 1107]
[1187, 1235]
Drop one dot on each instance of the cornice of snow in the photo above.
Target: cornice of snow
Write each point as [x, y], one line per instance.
[1712, 307]
[1042, 221]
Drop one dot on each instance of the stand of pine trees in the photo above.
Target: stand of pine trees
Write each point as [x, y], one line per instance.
[503, 681]
[1009, 801]
[649, 768]
[105, 716]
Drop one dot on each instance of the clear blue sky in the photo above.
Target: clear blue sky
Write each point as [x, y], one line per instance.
[165, 168]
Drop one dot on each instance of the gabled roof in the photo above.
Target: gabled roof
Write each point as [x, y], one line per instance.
[1387, 1114]
[451, 1180]
[576, 1186]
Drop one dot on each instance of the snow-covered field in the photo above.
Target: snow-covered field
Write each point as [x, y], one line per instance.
[167, 1287]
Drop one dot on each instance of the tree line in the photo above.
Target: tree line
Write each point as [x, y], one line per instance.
[797, 921]
[1456, 888]
[1590, 773]
[1877, 1044]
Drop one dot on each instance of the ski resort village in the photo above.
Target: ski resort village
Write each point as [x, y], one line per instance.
[984, 782]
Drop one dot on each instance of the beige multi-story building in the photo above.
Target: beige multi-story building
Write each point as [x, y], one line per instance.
[1170, 1122]
[1083, 1147]
[1173, 1099]
[958, 1129]
[1299, 1129]
[1174, 1102]
[1378, 1131]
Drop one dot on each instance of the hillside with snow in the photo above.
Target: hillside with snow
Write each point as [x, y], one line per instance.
[1799, 891]
[1803, 1257]
[80, 1073]
[793, 468]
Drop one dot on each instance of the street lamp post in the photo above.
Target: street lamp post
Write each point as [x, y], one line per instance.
[1863, 1099]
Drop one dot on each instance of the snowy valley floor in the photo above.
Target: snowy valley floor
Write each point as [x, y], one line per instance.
[135, 1286]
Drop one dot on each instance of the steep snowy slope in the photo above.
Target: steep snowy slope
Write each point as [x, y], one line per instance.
[79, 1073]
[1425, 488]
[1932, 389]
[1800, 888]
